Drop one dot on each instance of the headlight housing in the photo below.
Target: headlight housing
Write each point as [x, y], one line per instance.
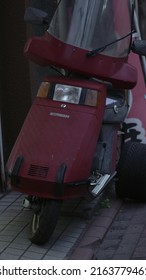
[65, 93]
[68, 94]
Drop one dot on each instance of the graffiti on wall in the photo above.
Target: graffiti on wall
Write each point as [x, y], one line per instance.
[134, 130]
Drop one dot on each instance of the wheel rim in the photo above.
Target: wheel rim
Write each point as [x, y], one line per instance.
[44, 220]
[35, 222]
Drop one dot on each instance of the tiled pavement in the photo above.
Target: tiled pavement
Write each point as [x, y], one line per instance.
[126, 237]
[87, 245]
[85, 230]
[116, 233]
[15, 229]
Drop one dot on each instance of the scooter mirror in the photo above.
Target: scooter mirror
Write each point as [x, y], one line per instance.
[35, 16]
[139, 47]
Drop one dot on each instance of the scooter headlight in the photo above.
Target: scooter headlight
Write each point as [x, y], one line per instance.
[69, 94]
[65, 93]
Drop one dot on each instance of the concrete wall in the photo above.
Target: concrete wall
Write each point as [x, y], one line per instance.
[37, 72]
[15, 81]
[19, 79]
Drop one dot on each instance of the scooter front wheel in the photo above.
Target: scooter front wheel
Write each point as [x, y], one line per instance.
[44, 220]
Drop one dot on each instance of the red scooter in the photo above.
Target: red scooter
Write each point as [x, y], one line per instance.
[68, 145]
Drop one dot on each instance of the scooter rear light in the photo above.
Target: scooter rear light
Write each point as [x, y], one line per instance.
[43, 90]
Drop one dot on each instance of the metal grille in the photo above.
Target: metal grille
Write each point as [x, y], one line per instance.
[38, 171]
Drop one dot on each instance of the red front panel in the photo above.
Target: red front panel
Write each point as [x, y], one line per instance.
[52, 135]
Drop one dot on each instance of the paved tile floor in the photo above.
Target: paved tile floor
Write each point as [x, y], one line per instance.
[117, 232]
[15, 229]
[126, 237]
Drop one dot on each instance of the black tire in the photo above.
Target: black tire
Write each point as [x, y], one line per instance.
[44, 220]
[131, 172]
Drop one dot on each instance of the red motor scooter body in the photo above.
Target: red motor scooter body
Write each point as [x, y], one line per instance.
[53, 154]
[67, 147]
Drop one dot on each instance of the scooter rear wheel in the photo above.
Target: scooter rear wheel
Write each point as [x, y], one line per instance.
[131, 172]
[44, 220]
